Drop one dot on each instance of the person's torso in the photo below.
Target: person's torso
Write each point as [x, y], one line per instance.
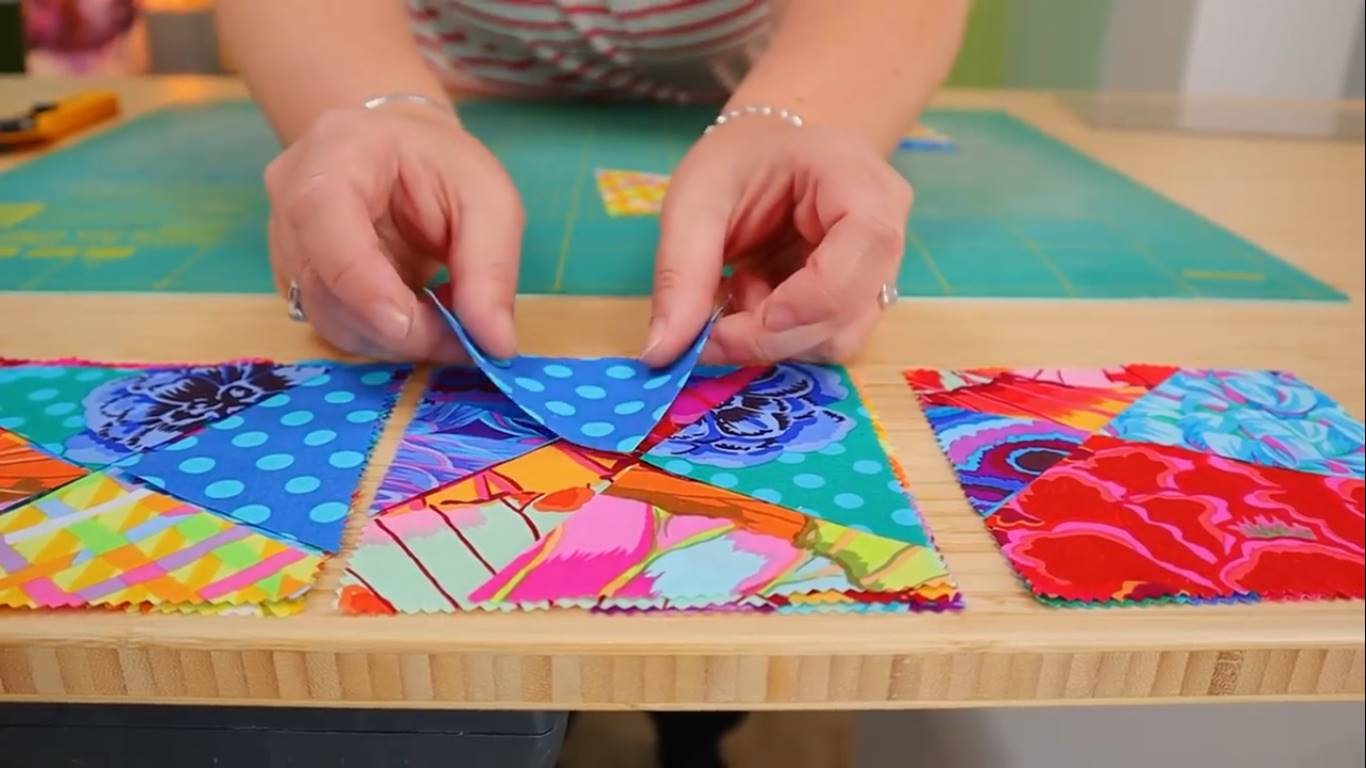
[671, 50]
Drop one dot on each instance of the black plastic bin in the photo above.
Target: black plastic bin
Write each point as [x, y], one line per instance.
[117, 736]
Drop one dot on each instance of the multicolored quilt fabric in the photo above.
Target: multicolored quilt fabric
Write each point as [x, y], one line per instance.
[1143, 483]
[755, 490]
[180, 488]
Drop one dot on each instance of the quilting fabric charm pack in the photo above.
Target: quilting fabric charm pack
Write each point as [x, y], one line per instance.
[1144, 483]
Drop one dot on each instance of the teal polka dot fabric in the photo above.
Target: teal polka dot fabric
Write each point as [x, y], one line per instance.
[46, 403]
[799, 437]
[607, 403]
[288, 464]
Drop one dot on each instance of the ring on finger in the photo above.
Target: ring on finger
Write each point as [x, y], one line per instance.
[887, 295]
[295, 302]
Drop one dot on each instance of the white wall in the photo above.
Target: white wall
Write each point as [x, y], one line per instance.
[1276, 49]
[1280, 49]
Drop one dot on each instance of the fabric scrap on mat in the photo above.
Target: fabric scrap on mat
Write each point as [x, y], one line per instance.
[290, 464]
[26, 472]
[109, 540]
[799, 436]
[631, 193]
[609, 403]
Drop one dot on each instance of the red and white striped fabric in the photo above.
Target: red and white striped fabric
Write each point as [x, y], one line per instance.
[666, 50]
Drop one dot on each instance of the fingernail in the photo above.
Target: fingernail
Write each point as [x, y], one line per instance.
[779, 318]
[655, 336]
[396, 321]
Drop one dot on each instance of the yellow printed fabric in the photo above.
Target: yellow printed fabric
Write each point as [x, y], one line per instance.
[109, 540]
[631, 193]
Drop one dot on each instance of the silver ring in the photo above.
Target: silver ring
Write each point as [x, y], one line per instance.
[887, 296]
[296, 309]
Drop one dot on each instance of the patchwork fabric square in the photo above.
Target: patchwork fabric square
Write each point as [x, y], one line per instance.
[682, 523]
[1207, 486]
[180, 488]
[631, 193]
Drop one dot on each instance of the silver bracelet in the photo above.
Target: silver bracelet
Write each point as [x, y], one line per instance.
[788, 116]
[406, 98]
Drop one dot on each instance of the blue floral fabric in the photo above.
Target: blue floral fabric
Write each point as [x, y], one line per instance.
[1261, 417]
[95, 415]
[607, 403]
[130, 415]
[786, 410]
[800, 437]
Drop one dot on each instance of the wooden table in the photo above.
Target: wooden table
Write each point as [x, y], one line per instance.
[1301, 200]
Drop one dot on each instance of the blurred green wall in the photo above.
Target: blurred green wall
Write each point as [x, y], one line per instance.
[1045, 44]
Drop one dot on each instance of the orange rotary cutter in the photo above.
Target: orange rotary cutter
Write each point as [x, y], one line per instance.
[53, 120]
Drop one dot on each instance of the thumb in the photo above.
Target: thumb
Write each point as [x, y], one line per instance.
[692, 239]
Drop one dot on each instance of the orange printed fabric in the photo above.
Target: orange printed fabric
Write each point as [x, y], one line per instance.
[1018, 394]
[26, 472]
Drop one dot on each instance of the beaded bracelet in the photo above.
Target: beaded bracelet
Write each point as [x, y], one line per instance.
[788, 116]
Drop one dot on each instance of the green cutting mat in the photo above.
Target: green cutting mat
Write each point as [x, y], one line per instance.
[172, 202]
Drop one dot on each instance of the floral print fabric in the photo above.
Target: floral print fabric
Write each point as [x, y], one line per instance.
[1129, 521]
[1263, 417]
[799, 436]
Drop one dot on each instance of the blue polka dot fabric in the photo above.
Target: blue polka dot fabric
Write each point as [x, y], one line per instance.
[289, 464]
[607, 403]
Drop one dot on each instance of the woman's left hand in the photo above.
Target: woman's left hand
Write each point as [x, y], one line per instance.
[812, 223]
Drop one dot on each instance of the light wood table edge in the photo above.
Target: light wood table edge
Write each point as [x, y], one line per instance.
[625, 681]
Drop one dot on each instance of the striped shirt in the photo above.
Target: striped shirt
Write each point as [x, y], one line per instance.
[664, 50]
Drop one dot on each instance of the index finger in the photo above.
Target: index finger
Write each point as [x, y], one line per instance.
[692, 239]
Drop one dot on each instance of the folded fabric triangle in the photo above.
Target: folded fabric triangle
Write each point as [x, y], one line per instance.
[606, 403]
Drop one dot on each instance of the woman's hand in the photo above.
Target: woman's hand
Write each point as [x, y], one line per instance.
[367, 205]
[812, 222]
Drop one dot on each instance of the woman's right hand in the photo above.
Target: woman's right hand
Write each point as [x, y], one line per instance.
[368, 205]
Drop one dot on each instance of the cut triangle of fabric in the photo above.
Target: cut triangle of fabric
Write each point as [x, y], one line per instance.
[799, 436]
[996, 456]
[110, 540]
[289, 464]
[605, 403]
[26, 472]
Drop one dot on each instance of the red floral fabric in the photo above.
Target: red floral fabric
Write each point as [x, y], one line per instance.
[1127, 521]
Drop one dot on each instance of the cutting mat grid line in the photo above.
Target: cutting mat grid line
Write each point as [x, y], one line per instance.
[172, 202]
